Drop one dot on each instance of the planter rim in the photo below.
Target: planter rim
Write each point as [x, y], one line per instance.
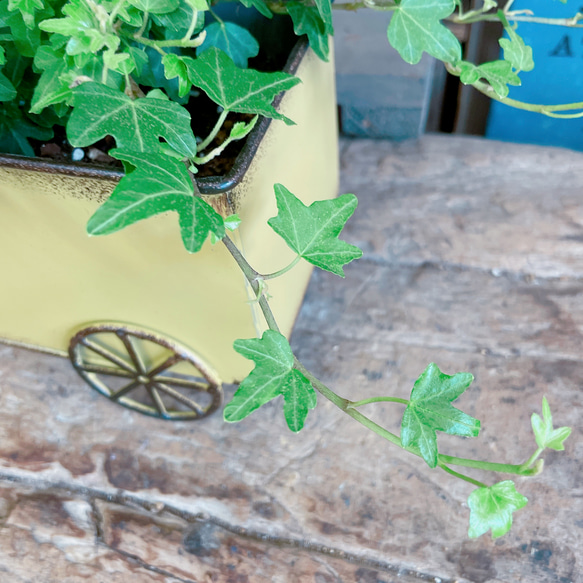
[208, 185]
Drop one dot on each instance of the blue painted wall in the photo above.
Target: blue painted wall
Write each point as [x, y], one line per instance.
[556, 78]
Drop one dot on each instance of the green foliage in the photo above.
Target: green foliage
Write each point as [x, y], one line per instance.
[498, 73]
[430, 410]
[234, 89]
[416, 27]
[307, 20]
[233, 40]
[27, 8]
[259, 5]
[312, 232]
[136, 124]
[273, 375]
[516, 52]
[545, 434]
[492, 508]
[158, 184]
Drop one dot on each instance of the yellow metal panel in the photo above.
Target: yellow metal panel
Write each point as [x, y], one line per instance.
[56, 279]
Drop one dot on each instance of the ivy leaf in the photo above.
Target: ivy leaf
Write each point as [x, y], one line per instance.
[325, 10]
[158, 184]
[155, 6]
[16, 131]
[415, 27]
[273, 375]
[492, 508]
[233, 40]
[430, 410]
[544, 433]
[174, 66]
[7, 90]
[312, 232]
[498, 73]
[307, 20]
[2, 55]
[259, 5]
[516, 52]
[234, 89]
[50, 88]
[26, 40]
[27, 9]
[175, 24]
[136, 124]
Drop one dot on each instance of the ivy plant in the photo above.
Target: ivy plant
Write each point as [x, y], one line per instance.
[127, 69]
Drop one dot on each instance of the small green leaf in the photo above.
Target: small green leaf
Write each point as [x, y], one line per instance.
[155, 6]
[233, 40]
[325, 10]
[307, 20]
[232, 223]
[51, 88]
[26, 40]
[273, 375]
[543, 430]
[492, 508]
[516, 52]
[416, 27]
[241, 129]
[27, 9]
[430, 410]
[312, 232]
[174, 67]
[7, 90]
[176, 24]
[158, 184]
[234, 89]
[259, 5]
[498, 73]
[136, 124]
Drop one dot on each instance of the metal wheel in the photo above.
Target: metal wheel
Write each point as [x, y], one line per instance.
[145, 372]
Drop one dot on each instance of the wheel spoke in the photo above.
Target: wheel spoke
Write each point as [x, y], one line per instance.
[157, 401]
[186, 383]
[133, 353]
[180, 397]
[171, 360]
[124, 390]
[107, 354]
[106, 370]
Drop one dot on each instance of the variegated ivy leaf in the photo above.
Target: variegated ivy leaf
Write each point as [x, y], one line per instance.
[430, 410]
[234, 89]
[545, 434]
[416, 27]
[259, 5]
[273, 375]
[307, 20]
[155, 6]
[27, 8]
[136, 124]
[498, 73]
[158, 184]
[516, 52]
[312, 232]
[492, 508]
[174, 66]
[325, 11]
[176, 24]
[233, 40]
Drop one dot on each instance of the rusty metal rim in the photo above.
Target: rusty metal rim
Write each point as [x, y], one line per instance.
[208, 185]
[135, 371]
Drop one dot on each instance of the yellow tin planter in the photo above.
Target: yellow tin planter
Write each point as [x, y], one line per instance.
[133, 310]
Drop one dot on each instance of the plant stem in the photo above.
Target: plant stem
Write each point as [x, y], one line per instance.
[115, 11]
[178, 43]
[253, 278]
[282, 271]
[461, 476]
[528, 463]
[355, 404]
[470, 19]
[482, 465]
[192, 26]
[144, 24]
[214, 131]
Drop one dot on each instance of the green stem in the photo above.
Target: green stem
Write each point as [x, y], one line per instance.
[482, 465]
[145, 17]
[530, 461]
[150, 43]
[462, 476]
[214, 131]
[115, 11]
[355, 404]
[162, 44]
[192, 26]
[282, 271]
[470, 19]
[253, 278]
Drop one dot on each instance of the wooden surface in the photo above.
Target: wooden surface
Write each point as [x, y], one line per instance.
[473, 260]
